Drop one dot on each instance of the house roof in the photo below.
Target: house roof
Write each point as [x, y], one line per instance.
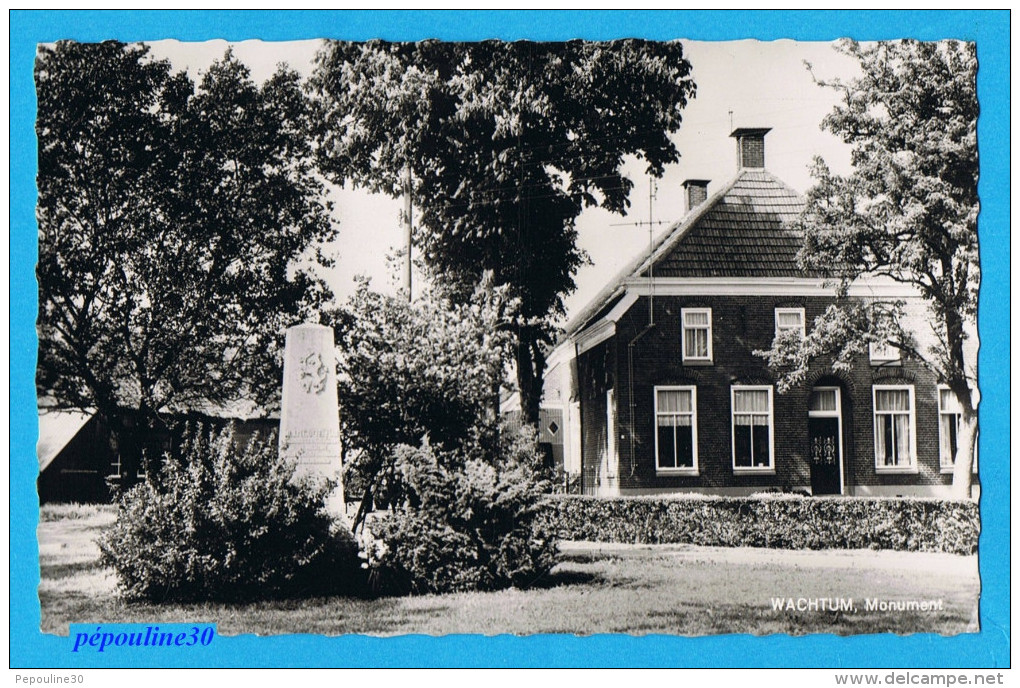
[56, 429]
[742, 230]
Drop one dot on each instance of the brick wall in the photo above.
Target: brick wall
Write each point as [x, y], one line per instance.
[552, 385]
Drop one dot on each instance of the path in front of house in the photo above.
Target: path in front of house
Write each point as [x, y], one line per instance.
[848, 559]
[596, 588]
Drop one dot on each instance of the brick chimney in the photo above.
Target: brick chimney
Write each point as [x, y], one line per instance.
[695, 193]
[750, 147]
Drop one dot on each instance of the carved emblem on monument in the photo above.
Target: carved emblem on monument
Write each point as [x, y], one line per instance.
[312, 373]
[309, 415]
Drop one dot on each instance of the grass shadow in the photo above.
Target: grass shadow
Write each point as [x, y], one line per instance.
[565, 578]
[58, 571]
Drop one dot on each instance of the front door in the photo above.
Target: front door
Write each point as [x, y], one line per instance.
[825, 451]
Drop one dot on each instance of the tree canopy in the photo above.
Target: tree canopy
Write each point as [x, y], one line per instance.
[908, 212]
[427, 371]
[506, 144]
[176, 229]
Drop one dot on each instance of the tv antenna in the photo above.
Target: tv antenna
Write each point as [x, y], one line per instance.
[653, 188]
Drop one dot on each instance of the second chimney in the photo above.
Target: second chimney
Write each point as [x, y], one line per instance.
[695, 193]
[750, 147]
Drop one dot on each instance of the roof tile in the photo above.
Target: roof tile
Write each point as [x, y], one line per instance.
[745, 233]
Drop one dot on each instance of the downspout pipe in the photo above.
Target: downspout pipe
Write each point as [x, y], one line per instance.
[630, 385]
[580, 420]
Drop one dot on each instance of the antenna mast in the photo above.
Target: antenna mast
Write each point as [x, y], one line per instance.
[651, 267]
[651, 222]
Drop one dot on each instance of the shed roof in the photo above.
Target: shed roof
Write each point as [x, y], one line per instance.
[56, 429]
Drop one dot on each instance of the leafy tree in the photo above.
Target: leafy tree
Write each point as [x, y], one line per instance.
[173, 226]
[430, 369]
[907, 212]
[507, 143]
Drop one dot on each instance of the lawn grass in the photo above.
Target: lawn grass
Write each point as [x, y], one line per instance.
[596, 588]
[73, 512]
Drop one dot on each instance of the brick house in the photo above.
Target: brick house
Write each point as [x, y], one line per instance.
[659, 391]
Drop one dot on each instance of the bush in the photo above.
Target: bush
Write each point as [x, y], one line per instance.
[467, 523]
[780, 521]
[223, 522]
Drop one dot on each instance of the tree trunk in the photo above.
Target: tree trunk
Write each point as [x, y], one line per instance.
[964, 460]
[530, 369]
[121, 443]
[967, 433]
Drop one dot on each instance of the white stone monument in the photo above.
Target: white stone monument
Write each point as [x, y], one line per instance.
[309, 418]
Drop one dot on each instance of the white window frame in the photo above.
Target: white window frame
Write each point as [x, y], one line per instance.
[883, 354]
[835, 413]
[945, 467]
[752, 470]
[694, 429]
[880, 467]
[690, 358]
[787, 311]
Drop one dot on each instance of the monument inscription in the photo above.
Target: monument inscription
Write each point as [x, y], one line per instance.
[309, 418]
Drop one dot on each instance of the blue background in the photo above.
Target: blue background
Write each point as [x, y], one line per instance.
[29, 648]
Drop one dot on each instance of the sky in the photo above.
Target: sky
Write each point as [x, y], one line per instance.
[739, 84]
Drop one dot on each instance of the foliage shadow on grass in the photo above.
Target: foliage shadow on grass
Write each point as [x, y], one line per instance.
[68, 570]
[565, 578]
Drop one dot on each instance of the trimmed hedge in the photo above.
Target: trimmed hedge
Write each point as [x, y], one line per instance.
[781, 521]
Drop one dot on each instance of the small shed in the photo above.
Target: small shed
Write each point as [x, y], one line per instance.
[75, 457]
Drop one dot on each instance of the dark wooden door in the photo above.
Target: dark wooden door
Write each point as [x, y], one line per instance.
[824, 455]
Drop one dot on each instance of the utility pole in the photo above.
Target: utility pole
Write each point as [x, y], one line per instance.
[407, 230]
